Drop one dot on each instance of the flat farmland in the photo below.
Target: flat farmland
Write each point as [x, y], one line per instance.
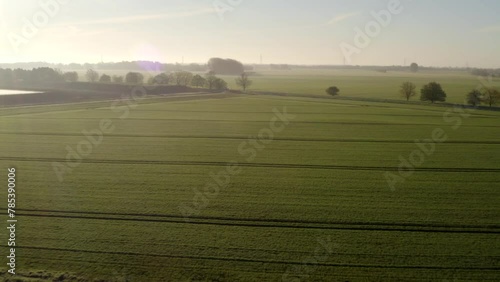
[358, 83]
[353, 83]
[254, 188]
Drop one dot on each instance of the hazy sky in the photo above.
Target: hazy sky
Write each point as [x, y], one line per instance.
[430, 32]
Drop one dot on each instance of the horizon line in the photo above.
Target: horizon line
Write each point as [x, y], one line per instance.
[255, 64]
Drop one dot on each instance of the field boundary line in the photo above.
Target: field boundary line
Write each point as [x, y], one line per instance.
[265, 261]
[266, 165]
[266, 223]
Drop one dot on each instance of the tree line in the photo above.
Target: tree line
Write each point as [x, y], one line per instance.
[47, 76]
[34, 77]
[125, 65]
[433, 92]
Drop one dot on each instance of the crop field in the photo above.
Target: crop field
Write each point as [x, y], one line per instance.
[226, 187]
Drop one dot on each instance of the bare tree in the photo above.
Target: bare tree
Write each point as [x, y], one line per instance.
[92, 75]
[474, 97]
[491, 96]
[408, 90]
[243, 81]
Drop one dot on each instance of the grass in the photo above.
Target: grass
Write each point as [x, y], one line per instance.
[355, 83]
[364, 83]
[116, 215]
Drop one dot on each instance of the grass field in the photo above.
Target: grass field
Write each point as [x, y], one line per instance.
[313, 203]
[355, 83]
[365, 83]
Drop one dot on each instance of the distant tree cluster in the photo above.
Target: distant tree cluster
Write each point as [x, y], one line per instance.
[181, 78]
[105, 78]
[433, 92]
[215, 83]
[414, 67]
[198, 81]
[141, 66]
[134, 78]
[37, 76]
[280, 67]
[160, 79]
[45, 76]
[117, 79]
[489, 96]
[138, 66]
[486, 72]
[225, 66]
[71, 76]
[185, 78]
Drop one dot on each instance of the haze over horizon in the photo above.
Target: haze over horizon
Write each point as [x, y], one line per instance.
[293, 32]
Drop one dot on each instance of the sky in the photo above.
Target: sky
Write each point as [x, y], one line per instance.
[444, 33]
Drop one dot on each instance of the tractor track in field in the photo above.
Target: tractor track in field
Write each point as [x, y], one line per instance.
[328, 140]
[98, 104]
[260, 121]
[248, 260]
[264, 223]
[253, 165]
[270, 113]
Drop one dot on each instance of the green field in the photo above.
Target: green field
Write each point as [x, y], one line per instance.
[316, 193]
[356, 83]
[365, 83]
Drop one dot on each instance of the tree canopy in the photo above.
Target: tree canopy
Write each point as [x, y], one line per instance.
[92, 75]
[181, 78]
[134, 78]
[71, 76]
[243, 81]
[491, 96]
[105, 78]
[198, 81]
[433, 92]
[161, 79]
[408, 90]
[474, 97]
[333, 90]
[414, 67]
[225, 66]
